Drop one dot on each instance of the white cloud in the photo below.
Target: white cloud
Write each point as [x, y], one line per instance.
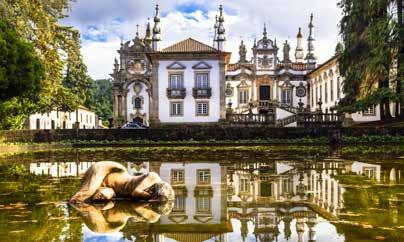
[103, 23]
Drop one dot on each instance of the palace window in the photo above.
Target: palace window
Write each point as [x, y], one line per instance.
[316, 100]
[176, 108]
[332, 90]
[326, 92]
[176, 81]
[177, 177]
[370, 172]
[371, 111]
[202, 80]
[244, 185]
[203, 176]
[179, 204]
[312, 97]
[243, 96]
[287, 96]
[338, 88]
[138, 103]
[202, 108]
[203, 204]
[321, 93]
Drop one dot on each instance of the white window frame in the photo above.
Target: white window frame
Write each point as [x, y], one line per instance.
[286, 96]
[202, 108]
[203, 176]
[371, 111]
[177, 176]
[174, 109]
[243, 96]
[202, 80]
[203, 204]
[176, 81]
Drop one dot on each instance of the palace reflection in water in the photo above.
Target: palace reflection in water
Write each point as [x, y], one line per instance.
[223, 201]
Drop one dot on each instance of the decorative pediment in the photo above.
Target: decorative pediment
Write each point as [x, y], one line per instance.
[176, 66]
[202, 65]
[243, 84]
[286, 84]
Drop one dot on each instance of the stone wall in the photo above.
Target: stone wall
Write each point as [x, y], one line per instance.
[181, 133]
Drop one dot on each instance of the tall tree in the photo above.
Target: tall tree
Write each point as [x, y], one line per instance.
[100, 99]
[57, 46]
[400, 57]
[369, 31]
[21, 75]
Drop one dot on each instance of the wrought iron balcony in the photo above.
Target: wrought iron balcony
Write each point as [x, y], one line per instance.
[202, 92]
[176, 93]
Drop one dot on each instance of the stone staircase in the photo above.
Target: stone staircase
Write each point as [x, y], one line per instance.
[286, 121]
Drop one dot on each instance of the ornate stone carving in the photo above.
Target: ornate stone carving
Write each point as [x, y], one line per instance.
[301, 90]
[265, 61]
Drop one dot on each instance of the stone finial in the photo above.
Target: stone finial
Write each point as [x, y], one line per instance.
[299, 53]
[215, 27]
[156, 30]
[310, 57]
[148, 36]
[264, 33]
[221, 31]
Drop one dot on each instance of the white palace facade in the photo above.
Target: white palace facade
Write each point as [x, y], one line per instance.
[192, 82]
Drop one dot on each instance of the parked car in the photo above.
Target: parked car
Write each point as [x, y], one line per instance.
[134, 125]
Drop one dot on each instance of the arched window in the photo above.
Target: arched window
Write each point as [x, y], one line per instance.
[138, 103]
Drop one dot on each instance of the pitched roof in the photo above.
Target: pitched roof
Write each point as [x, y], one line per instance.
[188, 45]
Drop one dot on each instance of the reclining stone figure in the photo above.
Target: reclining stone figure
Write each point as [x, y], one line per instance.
[112, 217]
[107, 180]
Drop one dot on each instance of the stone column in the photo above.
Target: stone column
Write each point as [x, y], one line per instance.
[125, 113]
[115, 107]
[154, 98]
[222, 79]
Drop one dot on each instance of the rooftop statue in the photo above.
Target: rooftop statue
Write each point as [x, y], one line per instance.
[108, 180]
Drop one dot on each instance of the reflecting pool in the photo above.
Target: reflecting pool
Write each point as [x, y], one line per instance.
[267, 196]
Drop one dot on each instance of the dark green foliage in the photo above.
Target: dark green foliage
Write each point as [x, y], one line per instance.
[21, 71]
[21, 75]
[99, 98]
[64, 84]
[339, 48]
[370, 36]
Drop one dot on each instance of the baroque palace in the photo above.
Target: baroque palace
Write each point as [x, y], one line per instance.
[192, 82]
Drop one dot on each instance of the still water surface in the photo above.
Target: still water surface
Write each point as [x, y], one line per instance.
[279, 198]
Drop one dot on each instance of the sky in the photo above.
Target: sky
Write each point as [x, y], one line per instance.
[104, 23]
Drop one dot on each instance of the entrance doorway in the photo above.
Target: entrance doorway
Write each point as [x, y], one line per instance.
[138, 120]
[38, 123]
[265, 93]
[265, 189]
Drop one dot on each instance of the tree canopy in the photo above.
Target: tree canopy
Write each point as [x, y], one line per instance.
[21, 75]
[65, 82]
[100, 99]
[370, 36]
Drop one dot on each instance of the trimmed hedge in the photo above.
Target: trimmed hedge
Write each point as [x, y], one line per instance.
[184, 133]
